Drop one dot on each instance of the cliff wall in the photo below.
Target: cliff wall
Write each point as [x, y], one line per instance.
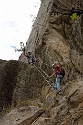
[54, 37]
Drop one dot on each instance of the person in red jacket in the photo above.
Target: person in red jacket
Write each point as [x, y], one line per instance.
[59, 72]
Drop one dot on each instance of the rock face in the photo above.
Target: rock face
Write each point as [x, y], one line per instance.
[22, 116]
[17, 83]
[24, 87]
[8, 79]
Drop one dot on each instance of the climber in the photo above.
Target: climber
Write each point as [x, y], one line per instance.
[22, 49]
[31, 58]
[60, 73]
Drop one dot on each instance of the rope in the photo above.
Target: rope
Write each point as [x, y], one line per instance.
[44, 72]
[46, 64]
[44, 76]
[41, 74]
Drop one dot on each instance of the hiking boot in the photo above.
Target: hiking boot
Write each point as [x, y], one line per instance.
[59, 92]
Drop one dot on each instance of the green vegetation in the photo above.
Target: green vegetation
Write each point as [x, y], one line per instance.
[74, 16]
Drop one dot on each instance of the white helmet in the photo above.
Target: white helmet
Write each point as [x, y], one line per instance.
[55, 63]
[52, 65]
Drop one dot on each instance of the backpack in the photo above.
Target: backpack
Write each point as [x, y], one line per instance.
[62, 72]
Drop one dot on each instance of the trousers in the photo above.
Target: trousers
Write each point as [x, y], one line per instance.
[57, 82]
